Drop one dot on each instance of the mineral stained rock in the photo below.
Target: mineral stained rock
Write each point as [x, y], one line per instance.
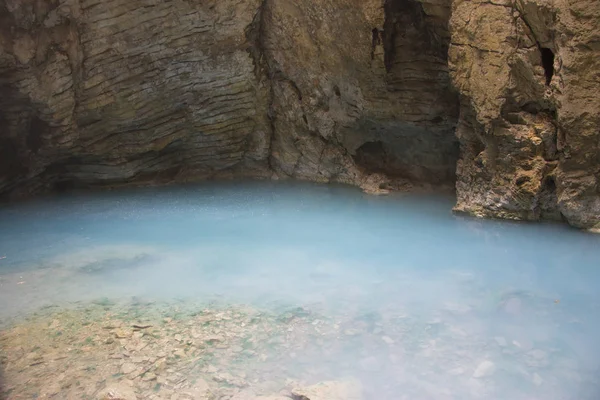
[528, 73]
[499, 98]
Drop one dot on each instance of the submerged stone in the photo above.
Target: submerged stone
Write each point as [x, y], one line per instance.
[330, 390]
[486, 368]
[117, 392]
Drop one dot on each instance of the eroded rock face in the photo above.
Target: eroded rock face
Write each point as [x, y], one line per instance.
[128, 91]
[131, 92]
[375, 93]
[528, 72]
[361, 86]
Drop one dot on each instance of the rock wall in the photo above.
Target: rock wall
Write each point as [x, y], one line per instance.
[98, 92]
[529, 76]
[108, 93]
[361, 87]
[497, 97]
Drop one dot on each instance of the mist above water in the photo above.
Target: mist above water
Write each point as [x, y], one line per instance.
[460, 308]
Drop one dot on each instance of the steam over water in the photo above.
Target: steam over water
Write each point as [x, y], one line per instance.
[415, 302]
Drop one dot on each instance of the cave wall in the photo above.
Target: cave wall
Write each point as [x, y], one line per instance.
[528, 72]
[121, 92]
[499, 98]
[106, 93]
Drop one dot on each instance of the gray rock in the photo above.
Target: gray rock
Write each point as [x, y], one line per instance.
[330, 390]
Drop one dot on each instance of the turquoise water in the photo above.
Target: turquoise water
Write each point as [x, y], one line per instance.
[450, 295]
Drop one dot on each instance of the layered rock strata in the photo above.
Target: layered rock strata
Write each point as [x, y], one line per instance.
[106, 93]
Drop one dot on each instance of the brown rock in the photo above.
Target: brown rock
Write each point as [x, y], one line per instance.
[360, 89]
[200, 391]
[122, 333]
[329, 90]
[529, 119]
[128, 368]
[117, 392]
[100, 94]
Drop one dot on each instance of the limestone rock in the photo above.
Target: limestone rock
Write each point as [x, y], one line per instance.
[137, 91]
[128, 368]
[360, 88]
[527, 72]
[117, 392]
[98, 93]
[330, 390]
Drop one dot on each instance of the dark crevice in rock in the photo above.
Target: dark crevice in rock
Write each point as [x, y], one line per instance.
[64, 186]
[372, 156]
[336, 90]
[548, 63]
[522, 180]
[255, 34]
[376, 41]
[547, 55]
[37, 130]
[422, 148]
[399, 15]
[411, 160]
[547, 201]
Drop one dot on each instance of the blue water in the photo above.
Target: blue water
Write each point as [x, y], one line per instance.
[460, 291]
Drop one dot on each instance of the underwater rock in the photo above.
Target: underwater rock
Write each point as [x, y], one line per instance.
[128, 368]
[486, 368]
[512, 306]
[331, 390]
[200, 391]
[537, 380]
[250, 395]
[117, 392]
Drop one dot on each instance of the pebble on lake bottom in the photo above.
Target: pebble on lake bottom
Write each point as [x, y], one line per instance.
[486, 368]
